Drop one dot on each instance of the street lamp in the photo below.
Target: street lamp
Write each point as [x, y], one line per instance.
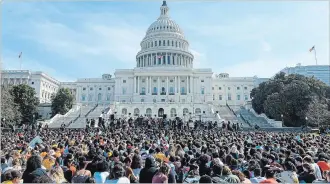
[282, 119]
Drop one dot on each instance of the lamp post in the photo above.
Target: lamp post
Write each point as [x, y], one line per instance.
[306, 118]
[282, 120]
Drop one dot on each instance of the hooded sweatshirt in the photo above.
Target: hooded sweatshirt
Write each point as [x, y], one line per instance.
[148, 172]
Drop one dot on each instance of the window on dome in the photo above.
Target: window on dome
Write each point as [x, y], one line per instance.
[164, 27]
[160, 43]
[176, 44]
[152, 44]
[179, 44]
[173, 60]
[164, 44]
[159, 61]
[169, 60]
[155, 43]
[148, 44]
[172, 43]
[168, 42]
[157, 27]
[155, 60]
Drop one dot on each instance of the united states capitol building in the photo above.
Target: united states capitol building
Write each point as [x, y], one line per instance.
[164, 81]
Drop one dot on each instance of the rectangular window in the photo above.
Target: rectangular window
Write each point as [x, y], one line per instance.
[245, 88]
[84, 89]
[229, 96]
[100, 89]
[143, 80]
[163, 100]
[213, 97]
[91, 89]
[220, 97]
[212, 88]
[124, 91]
[246, 97]
[228, 88]
[108, 88]
[202, 91]
[238, 97]
[219, 88]
[124, 81]
[202, 80]
[142, 100]
[171, 80]
[238, 88]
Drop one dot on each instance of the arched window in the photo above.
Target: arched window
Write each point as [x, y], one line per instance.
[155, 43]
[185, 111]
[155, 90]
[99, 97]
[143, 90]
[163, 89]
[136, 112]
[160, 43]
[198, 111]
[173, 112]
[202, 90]
[149, 112]
[124, 111]
[83, 97]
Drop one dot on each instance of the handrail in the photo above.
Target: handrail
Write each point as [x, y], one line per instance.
[91, 110]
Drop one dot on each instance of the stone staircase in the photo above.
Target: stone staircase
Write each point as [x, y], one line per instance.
[251, 119]
[94, 113]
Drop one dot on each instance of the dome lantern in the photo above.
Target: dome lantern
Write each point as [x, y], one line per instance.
[164, 10]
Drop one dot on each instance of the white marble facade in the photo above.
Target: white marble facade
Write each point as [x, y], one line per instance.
[163, 80]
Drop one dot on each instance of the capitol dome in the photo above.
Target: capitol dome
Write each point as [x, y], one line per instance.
[164, 44]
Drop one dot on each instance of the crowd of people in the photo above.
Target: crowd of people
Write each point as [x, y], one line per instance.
[153, 151]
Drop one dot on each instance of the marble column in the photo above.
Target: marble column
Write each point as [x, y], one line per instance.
[167, 86]
[134, 85]
[187, 85]
[147, 84]
[138, 85]
[179, 81]
[158, 83]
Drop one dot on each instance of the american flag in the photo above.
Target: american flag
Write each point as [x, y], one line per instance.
[311, 49]
[20, 55]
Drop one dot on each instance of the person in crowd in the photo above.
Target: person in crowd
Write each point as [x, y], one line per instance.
[205, 179]
[162, 175]
[102, 172]
[256, 176]
[308, 176]
[270, 177]
[309, 160]
[33, 169]
[12, 177]
[119, 175]
[149, 170]
[57, 175]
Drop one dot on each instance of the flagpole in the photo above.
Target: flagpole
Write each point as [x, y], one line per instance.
[315, 55]
[20, 63]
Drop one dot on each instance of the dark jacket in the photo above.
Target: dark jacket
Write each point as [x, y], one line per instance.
[148, 172]
[29, 177]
